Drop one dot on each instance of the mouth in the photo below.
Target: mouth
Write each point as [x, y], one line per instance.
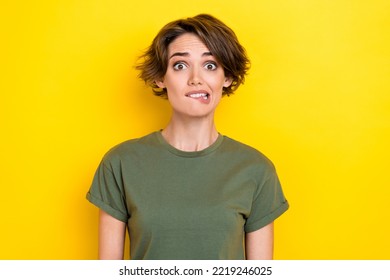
[199, 95]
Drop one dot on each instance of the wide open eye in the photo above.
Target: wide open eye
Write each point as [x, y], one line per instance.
[179, 66]
[210, 66]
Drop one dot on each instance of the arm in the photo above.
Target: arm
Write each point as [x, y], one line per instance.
[259, 244]
[111, 237]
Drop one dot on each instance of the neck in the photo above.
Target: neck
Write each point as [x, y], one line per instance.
[190, 135]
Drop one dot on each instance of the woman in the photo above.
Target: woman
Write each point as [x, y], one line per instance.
[187, 192]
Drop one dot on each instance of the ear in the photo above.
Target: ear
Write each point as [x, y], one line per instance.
[228, 82]
[160, 83]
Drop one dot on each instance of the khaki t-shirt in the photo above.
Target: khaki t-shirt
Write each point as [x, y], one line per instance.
[187, 205]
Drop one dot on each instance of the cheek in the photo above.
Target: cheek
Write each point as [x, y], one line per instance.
[218, 84]
[219, 80]
[173, 82]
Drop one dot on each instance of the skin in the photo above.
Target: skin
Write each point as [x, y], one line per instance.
[259, 244]
[192, 70]
[111, 237]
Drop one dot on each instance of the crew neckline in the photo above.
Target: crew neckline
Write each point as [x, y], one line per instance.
[182, 153]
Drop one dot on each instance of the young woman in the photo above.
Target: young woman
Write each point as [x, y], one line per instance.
[187, 191]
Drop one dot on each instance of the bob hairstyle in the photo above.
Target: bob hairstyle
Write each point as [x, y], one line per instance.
[219, 39]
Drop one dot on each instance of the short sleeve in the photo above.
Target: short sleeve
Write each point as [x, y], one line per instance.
[268, 204]
[106, 192]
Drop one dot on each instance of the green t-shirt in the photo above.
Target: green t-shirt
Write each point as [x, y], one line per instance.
[187, 205]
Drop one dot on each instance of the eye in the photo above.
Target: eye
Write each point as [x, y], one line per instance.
[179, 66]
[210, 66]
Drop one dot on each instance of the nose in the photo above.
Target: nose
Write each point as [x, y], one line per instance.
[195, 78]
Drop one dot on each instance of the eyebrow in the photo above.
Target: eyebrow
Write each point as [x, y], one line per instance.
[188, 54]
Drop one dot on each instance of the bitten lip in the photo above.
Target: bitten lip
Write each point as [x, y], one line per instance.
[197, 94]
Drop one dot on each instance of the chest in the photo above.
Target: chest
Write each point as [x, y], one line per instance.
[188, 194]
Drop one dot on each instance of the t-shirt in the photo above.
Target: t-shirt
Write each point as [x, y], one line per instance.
[187, 205]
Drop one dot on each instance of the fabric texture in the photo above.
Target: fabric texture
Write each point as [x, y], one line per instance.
[187, 205]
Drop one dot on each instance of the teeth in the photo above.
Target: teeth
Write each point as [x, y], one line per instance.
[199, 95]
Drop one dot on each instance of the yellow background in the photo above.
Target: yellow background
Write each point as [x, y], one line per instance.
[316, 101]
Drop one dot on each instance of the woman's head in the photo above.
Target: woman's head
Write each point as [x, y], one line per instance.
[219, 39]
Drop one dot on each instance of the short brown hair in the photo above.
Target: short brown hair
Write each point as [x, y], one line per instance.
[219, 38]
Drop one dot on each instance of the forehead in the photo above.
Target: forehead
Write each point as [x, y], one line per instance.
[187, 42]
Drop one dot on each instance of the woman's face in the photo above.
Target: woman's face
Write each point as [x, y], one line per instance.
[194, 79]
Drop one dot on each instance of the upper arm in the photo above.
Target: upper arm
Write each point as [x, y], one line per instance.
[259, 244]
[111, 237]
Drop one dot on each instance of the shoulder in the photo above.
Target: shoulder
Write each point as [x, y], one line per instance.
[245, 152]
[130, 148]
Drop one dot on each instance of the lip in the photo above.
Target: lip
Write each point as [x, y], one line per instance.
[193, 94]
